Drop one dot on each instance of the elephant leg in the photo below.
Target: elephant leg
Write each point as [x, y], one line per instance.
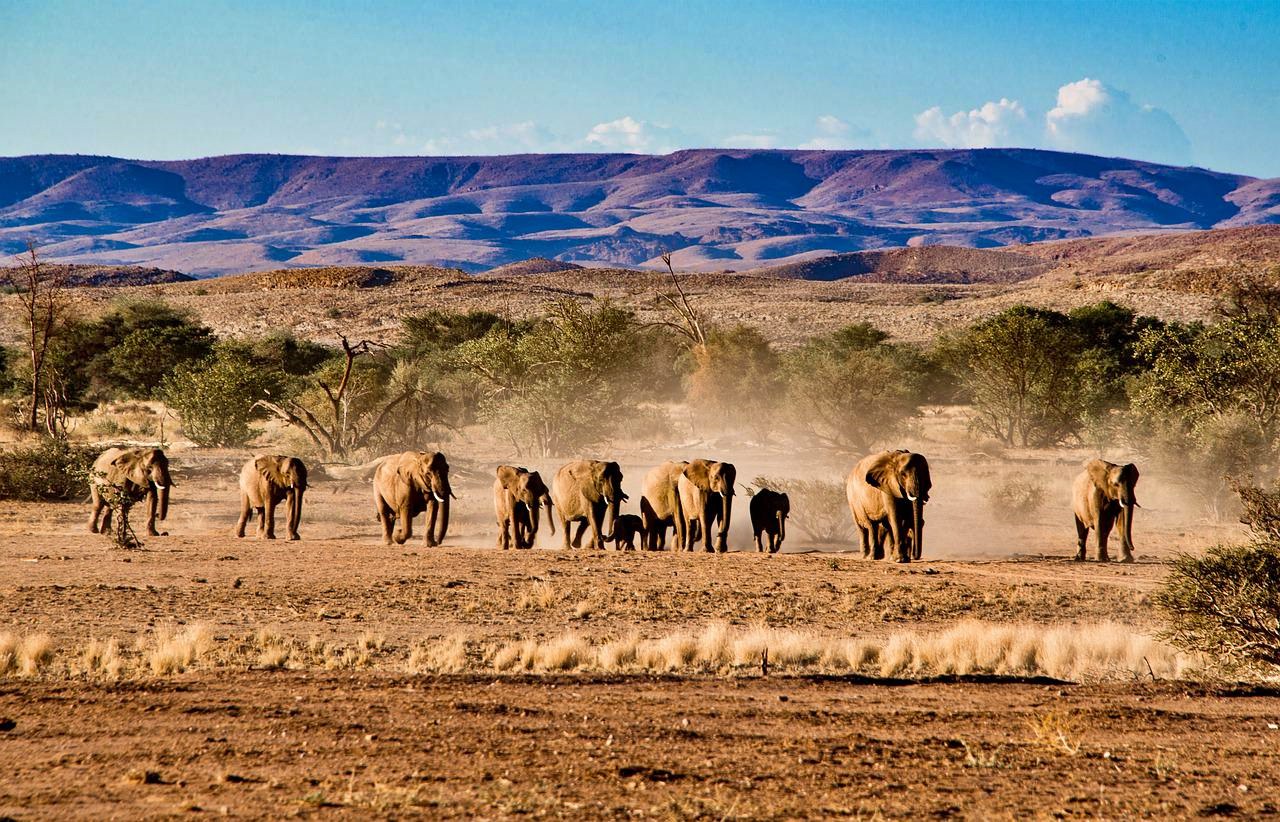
[877, 540]
[504, 533]
[245, 510]
[582, 529]
[899, 545]
[151, 514]
[385, 518]
[774, 543]
[564, 528]
[1105, 523]
[105, 528]
[1082, 537]
[96, 510]
[404, 525]
[269, 519]
[429, 538]
[759, 544]
[597, 531]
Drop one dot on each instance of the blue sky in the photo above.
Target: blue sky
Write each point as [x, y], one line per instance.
[1173, 82]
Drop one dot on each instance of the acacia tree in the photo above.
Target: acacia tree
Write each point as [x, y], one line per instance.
[43, 303]
[350, 401]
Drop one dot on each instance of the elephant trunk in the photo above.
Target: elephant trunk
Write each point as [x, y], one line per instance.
[782, 526]
[917, 528]
[295, 509]
[533, 521]
[607, 534]
[1126, 526]
[551, 521]
[444, 517]
[723, 537]
[163, 493]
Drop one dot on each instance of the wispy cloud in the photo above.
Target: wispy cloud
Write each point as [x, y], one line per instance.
[831, 132]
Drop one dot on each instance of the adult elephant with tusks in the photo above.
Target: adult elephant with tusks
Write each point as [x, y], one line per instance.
[408, 484]
[584, 491]
[1104, 493]
[887, 493]
[137, 473]
[706, 498]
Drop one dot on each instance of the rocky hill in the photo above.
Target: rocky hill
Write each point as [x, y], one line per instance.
[715, 209]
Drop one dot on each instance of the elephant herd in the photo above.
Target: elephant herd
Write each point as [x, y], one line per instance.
[886, 493]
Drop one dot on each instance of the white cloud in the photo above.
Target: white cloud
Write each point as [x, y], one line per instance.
[1092, 117]
[1000, 123]
[833, 133]
[1089, 116]
[631, 135]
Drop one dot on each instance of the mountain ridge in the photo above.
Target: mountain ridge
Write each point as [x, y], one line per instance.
[712, 209]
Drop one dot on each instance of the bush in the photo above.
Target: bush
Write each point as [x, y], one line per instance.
[50, 470]
[736, 379]
[1014, 497]
[215, 397]
[850, 389]
[819, 508]
[1226, 604]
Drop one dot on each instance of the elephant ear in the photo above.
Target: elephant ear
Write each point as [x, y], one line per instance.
[296, 470]
[730, 473]
[507, 475]
[884, 475]
[699, 473]
[536, 486]
[1130, 473]
[1099, 473]
[785, 502]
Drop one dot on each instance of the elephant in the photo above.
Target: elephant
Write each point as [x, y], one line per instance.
[138, 472]
[625, 530]
[1104, 492]
[265, 482]
[518, 496]
[706, 496]
[769, 512]
[660, 505]
[887, 493]
[408, 484]
[584, 491]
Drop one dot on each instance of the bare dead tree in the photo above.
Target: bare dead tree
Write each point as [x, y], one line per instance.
[688, 321]
[43, 304]
[335, 429]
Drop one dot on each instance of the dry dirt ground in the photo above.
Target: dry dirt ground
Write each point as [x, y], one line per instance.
[336, 724]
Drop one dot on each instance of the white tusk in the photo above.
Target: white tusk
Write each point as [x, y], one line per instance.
[608, 501]
[437, 496]
[160, 487]
[913, 499]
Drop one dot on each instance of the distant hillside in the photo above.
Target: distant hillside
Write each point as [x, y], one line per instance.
[714, 209]
[121, 275]
[929, 264]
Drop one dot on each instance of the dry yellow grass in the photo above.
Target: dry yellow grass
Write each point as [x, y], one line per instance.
[539, 595]
[28, 655]
[172, 651]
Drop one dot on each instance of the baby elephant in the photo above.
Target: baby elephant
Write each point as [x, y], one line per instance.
[626, 529]
[769, 512]
[265, 482]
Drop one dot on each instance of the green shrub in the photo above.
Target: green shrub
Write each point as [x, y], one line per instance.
[49, 470]
[215, 397]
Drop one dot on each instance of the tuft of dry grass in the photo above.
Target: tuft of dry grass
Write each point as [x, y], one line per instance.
[1056, 731]
[102, 659]
[25, 656]
[538, 596]
[447, 655]
[172, 651]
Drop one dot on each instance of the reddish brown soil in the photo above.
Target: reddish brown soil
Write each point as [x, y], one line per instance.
[288, 744]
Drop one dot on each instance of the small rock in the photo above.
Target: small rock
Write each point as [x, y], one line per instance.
[7, 724]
